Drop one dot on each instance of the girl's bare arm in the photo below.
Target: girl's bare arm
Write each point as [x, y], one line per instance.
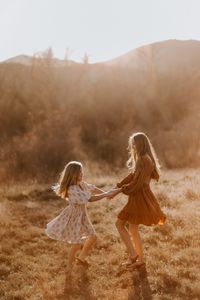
[97, 190]
[110, 193]
[115, 192]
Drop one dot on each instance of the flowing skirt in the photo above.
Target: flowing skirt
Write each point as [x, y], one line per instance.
[72, 225]
[143, 208]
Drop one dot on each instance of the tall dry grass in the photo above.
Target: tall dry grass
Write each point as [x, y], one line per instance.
[34, 267]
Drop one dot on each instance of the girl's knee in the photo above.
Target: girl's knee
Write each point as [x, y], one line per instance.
[93, 238]
[133, 229]
[119, 224]
[76, 246]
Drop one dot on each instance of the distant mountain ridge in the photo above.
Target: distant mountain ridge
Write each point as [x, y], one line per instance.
[28, 59]
[166, 56]
[160, 53]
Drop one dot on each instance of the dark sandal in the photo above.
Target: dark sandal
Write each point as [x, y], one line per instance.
[136, 265]
[130, 261]
[81, 262]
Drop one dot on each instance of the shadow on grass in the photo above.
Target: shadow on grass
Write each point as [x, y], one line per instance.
[78, 285]
[141, 288]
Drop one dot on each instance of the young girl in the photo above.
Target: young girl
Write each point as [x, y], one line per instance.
[142, 206]
[73, 224]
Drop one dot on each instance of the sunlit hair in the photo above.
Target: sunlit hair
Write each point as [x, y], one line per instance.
[143, 146]
[69, 176]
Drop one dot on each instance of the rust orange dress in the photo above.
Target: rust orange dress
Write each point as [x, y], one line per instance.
[142, 206]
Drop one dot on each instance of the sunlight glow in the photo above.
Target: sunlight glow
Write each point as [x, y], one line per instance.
[104, 29]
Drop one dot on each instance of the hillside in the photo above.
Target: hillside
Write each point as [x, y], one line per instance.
[87, 111]
[166, 56]
[28, 60]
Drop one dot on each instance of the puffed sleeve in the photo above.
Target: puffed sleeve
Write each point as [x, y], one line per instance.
[126, 180]
[91, 187]
[88, 186]
[78, 196]
[138, 179]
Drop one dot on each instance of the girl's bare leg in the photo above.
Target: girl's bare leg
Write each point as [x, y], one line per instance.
[120, 224]
[72, 254]
[137, 240]
[87, 247]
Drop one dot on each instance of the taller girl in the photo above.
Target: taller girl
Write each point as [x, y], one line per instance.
[142, 206]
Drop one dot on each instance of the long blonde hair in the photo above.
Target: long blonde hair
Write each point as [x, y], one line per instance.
[69, 176]
[143, 146]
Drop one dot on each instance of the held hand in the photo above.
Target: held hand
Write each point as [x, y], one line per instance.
[109, 194]
[112, 193]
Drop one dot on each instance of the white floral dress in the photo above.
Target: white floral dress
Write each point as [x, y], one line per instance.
[72, 225]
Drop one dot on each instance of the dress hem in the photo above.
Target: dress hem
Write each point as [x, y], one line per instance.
[161, 221]
[81, 241]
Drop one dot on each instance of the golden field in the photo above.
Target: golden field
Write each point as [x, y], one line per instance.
[33, 267]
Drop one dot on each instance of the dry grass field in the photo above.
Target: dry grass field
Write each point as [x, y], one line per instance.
[33, 267]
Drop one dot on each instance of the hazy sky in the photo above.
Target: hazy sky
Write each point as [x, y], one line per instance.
[103, 28]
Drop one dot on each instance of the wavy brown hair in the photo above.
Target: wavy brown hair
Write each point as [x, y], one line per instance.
[69, 176]
[143, 146]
